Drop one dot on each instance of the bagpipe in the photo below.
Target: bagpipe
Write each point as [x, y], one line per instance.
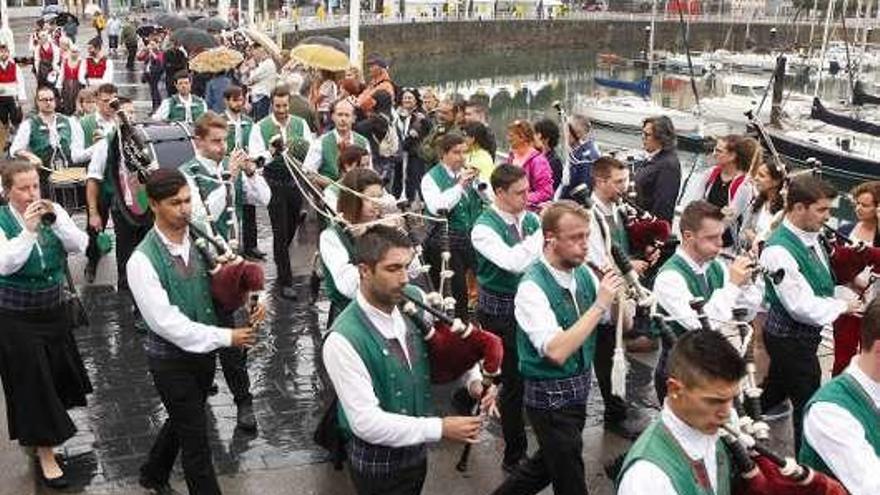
[847, 257]
[644, 229]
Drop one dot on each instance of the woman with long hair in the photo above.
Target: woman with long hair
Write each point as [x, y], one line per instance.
[524, 154]
[478, 140]
[412, 125]
[727, 183]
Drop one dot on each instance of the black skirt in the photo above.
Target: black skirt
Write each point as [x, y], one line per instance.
[43, 375]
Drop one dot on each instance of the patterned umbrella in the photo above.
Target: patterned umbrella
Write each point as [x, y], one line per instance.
[194, 40]
[320, 57]
[216, 60]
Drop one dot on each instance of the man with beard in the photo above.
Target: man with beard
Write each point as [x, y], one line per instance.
[183, 106]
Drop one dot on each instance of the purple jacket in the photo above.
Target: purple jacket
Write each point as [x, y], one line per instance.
[540, 176]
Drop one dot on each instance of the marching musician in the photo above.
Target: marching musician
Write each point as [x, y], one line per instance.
[238, 137]
[100, 184]
[695, 272]
[286, 203]
[204, 174]
[170, 283]
[98, 69]
[42, 372]
[96, 126]
[48, 140]
[450, 187]
[182, 106]
[658, 181]
[607, 227]
[371, 344]
[507, 238]
[324, 152]
[558, 306]
[336, 243]
[841, 437]
[681, 452]
[803, 303]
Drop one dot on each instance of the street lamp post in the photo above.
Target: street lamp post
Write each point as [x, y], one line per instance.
[354, 35]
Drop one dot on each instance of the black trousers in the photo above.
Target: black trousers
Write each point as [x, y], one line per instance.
[92, 252]
[128, 237]
[615, 407]
[661, 372]
[462, 260]
[183, 387]
[284, 210]
[131, 53]
[233, 362]
[794, 373]
[407, 481]
[248, 227]
[510, 398]
[558, 460]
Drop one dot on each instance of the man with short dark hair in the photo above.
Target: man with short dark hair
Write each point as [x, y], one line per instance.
[170, 284]
[682, 453]
[183, 106]
[841, 437]
[261, 81]
[239, 128]
[448, 189]
[377, 360]
[658, 181]
[476, 111]
[507, 238]
[803, 302]
[97, 69]
[323, 156]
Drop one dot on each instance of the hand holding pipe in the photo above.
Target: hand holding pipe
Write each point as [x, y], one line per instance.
[775, 276]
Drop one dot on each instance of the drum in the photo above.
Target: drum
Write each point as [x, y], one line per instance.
[67, 187]
[168, 145]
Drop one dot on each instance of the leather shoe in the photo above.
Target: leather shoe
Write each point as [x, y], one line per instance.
[156, 487]
[245, 419]
[510, 467]
[53, 483]
[91, 270]
[255, 254]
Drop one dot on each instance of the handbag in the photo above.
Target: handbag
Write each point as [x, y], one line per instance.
[73, 306]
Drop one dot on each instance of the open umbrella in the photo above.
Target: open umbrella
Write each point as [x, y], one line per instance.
[63, 18]
[194, 40]
[266, 42]
[320, 57]
[147, 30]
[216, 60]
[171, 21]
[326, 41]
[211, 24]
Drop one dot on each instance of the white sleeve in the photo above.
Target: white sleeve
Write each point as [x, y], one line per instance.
[596, 244]
[256, 190]
[165, 319]
[312, 162]
[436, 200]
[161, 113]
[514, 259]
[795, 293]
[108, 74]
[345, 274]
[670, 288]
[256, 146]
[330, 197]
[308, 135]
[19, 79]
[644, 477]
[15, 251]
[77, 153]
[21, 139]
[720, 305]
[535, 315]
[99, 160]
[839, 439]
[368, 421]
[74, 240]
[81, 73]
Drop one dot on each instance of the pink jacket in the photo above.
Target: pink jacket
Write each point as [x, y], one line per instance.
[540, 176]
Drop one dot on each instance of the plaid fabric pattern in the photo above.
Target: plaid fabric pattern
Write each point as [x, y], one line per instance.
[457, 240]
[556, 394]
[494, 303]
[378, 460]
[780, 324]
[17, 299]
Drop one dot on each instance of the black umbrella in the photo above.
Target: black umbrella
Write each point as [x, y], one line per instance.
[64, 17]
[326, 41]
[172, 21]
[211, 24]
[194, 40]
[147, 30]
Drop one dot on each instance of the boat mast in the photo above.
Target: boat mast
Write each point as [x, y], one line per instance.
[651, 39]
[828, 16]
[812, 29]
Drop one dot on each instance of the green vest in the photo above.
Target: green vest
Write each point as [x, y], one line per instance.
[333, 293]
[399, 388]
[846, 392]
[39, 143]
[108, 190]
[189, 292]
[714, 278]
[88, 123]
[246, 125]
[177, 110]
[489, 275]
[195, 170]
[817, 275]
[468, 208]
[531, 364]
[619, 237]
[657, 446]
[39, 271]
[330, 153]
[296, 127]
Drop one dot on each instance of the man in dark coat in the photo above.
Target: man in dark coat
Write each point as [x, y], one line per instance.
[658, 181]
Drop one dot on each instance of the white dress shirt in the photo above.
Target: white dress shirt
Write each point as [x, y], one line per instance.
[7, 89]
[98, 161]
[513, 259]
[794, 291]
[77, 153]
[597, 251]
[106, 126]
[261, 80]
[257, 147]
[162, 317]
[645, 477]
[106, 78]
[436, 200]
[670, 288]
[14, 252]
[315, 156]
[164, 109]
[254, 187]
[345, 274]
[354, 387]
[534, 312]
[839, 439]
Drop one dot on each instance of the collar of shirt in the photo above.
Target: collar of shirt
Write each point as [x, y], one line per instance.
[180, 250]
[234, 120]
[5, 63]
[696, 267]
[279, 124]
[339, 139]
[449, 171]
[390, 326]
[601, 207]
[871, 387]
[104, 123]
[186, 100]
[213, 166]
[810, 239]
[509, 218]
[696, 444]
[562, 277]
